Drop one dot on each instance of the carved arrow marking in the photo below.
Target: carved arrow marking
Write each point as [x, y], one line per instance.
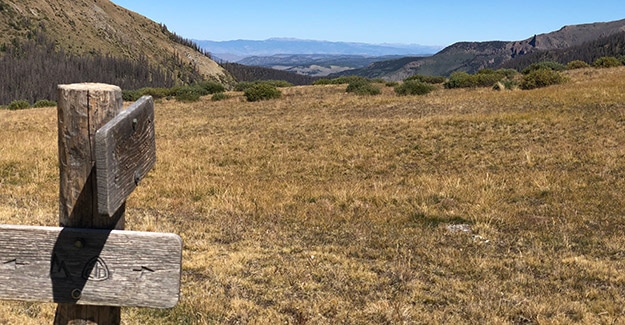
[13, 264]
[143, 270]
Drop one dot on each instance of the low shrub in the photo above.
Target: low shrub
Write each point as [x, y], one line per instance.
[427, 79]
[549, 65]
[348, 80]
[189, 93]
[507, 73]
[44, 103]
[339, 81]
[183, 93]
[459, 79]
[277, 83]
[483, 78]
[322, 81]
[414, 87]
[607, 62]
[219, 96]
[577, 64]
[391, 84]
[131, 95]
[487, 78]
[243, 85]
[18, 104]
[541, 78]
[157, 92]
[362, 86]
[261, 91]
[211, 87]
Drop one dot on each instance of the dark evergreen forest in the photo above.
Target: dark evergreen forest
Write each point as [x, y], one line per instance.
[33, 68]
[588, 52]
[252, 73]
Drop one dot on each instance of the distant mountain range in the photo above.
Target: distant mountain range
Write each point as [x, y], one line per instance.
[588, 40]
[234, 51]
[315, 65]
[583, 42]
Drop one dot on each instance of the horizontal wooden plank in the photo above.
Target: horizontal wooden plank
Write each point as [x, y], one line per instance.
[125, 153]
[90, 266]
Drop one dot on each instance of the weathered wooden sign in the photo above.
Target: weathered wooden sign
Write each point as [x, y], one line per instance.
[125, 152]
[104, 152]
[90, 266]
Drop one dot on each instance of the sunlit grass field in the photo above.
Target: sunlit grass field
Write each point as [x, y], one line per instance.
[466, 206]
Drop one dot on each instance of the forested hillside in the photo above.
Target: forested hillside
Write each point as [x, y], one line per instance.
[45, 43]
[33, 69]
[613, 45]
[251, 73]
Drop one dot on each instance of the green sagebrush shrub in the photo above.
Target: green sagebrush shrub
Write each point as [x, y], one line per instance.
[211, 87]
[362, 86]
[549, 65]
[193, 92]
[189, 93]
[414, 87]
[18, 104]
[427, 79]
[607, 62]
[183, 93]
[577, 64]
[338, 81]
[261, 91]
[541, 78]
[242, 86]
[44, 103]
[459, 79]
[465, 80]
[219, 96]
[483, 78]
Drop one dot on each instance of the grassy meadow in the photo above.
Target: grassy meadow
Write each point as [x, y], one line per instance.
[464, 206]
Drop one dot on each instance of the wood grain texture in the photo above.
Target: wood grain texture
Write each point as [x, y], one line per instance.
[125, 152]
[90, 266]
[82, 110]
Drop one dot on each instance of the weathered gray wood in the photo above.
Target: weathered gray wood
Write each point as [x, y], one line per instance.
[90, 266]
[125, 152]
[82, 110]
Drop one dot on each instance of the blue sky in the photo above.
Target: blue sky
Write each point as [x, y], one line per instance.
[429, 22]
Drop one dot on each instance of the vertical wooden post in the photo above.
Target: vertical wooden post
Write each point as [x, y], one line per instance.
[82, 110]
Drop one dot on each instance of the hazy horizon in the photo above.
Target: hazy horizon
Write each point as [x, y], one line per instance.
[373, 22]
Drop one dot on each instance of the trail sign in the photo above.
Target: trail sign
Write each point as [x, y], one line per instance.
[104, 152]
[90, 266]
[125, 152]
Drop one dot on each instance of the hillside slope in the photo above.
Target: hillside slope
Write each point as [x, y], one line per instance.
[612, 45]
[99, 26]
[473, 56]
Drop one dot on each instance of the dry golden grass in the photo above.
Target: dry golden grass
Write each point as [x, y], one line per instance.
[324, 207]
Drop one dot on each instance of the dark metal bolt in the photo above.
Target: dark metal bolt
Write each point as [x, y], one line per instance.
[76, 294]
[79, 243]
